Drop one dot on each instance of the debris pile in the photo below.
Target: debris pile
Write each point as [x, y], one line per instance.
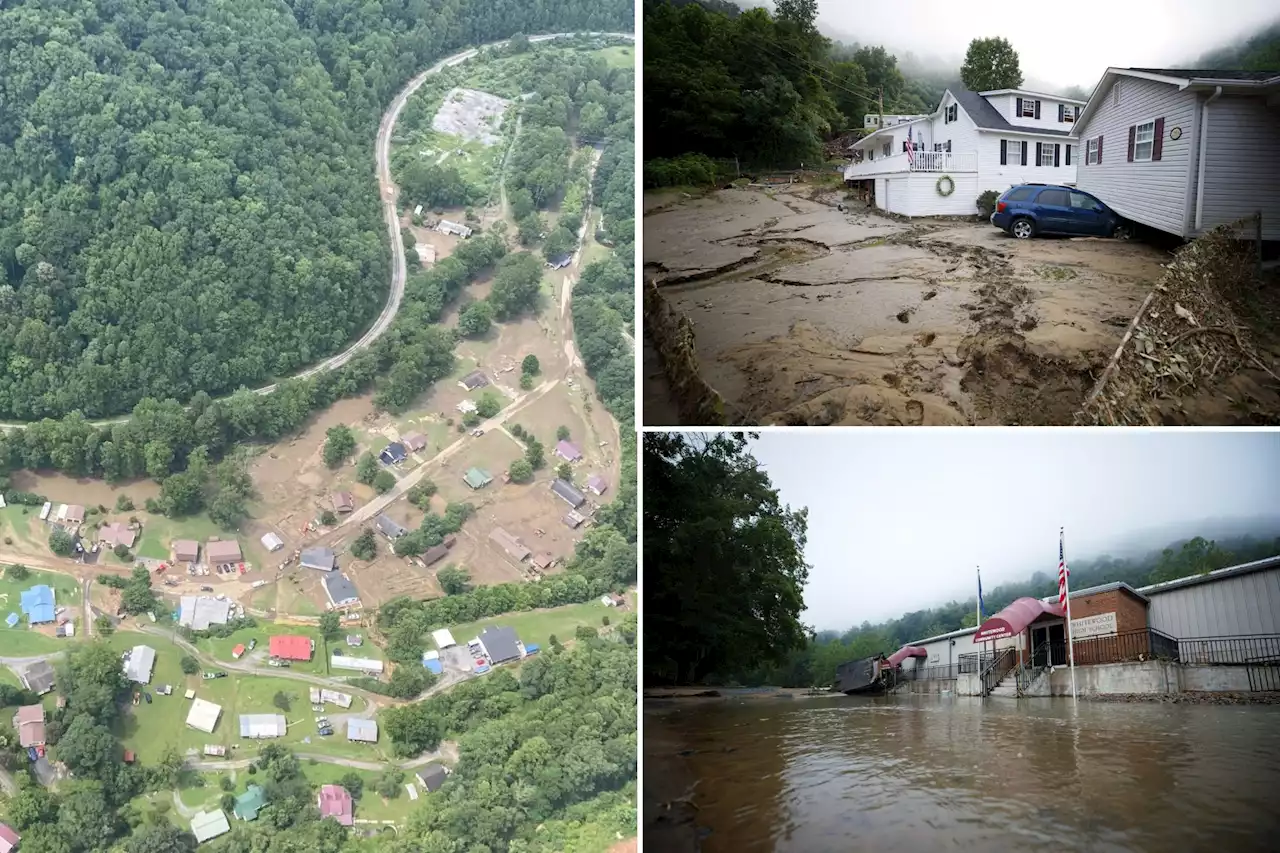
[672, 335]
[1189, 337]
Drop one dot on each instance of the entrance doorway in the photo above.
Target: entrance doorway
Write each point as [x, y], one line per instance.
[1049, 644]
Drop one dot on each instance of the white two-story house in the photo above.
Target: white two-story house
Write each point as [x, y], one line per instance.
[973, 142]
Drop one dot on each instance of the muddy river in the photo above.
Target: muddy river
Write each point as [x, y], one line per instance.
[934, 773]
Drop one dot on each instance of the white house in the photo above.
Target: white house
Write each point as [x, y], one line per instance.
[973, 142]
[1184, 150]
[877, 120]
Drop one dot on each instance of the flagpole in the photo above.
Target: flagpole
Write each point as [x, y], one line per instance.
[1071, 649]
[977, 605]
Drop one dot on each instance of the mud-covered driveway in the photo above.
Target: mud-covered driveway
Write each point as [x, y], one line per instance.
[808, 315]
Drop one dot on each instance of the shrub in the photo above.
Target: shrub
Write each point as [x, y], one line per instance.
[987, 203]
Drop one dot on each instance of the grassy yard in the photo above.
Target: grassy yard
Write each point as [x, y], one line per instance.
[158, 532]
[537, 626]
[21, 640]
[618, 56]
[22, 524]
[221, 648]
[370, 806]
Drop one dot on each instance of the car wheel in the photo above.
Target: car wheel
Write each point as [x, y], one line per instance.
[1023, 228]
[1123, 231]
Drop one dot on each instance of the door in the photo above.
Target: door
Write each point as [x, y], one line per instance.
[1087, 215]
[1054, 211]
[1039, 651]
[1058, 644]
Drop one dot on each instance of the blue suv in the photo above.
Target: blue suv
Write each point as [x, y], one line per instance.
[1030, 209]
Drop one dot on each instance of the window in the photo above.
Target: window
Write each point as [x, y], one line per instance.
[1144, 141]
[955, 112]
[1014, 156]
[1091, 152]
[1057, 198]
[1068, 114]
[1028, 108]
[1080, 201]
[1046, 154]
[887, 149]
[948, 146]
[1020, 194]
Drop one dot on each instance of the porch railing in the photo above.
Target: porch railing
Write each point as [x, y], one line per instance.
[1144, 644]
[974, 662]
[930, 673]
[999, 667]
[1256, 649]
[921, 161]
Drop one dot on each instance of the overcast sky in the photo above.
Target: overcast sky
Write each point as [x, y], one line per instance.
[1064, 44]
[899, 519]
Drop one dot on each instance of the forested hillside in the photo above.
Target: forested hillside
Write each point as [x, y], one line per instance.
[816, 663]
[186, 193]
[1260, 52]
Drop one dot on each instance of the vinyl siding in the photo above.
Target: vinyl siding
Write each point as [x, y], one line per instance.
[1240, 176]
[993, 176]
[1007, 106]
[916, 194]
[1234, 606]
[962, 132]
[1153, 193]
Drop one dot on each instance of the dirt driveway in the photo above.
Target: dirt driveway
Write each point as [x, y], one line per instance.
[808, 315]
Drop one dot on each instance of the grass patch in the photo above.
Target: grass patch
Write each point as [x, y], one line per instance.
[618, 56]
[158, 532]
[537, 626]
[16, 522]
[22, 640]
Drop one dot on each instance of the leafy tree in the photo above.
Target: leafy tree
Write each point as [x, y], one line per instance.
[353, 783]
[88, 749]
[454, 580]
[367, 468]
[420, 494]
[517, 285]
[384, 481]
[562, 433]
[530, 365]
[339, 444]
[189, 665]
[521, 471]
[227, 802]
[138, 597]
[365, 546]
[470, 419]
[121, 550]
[585, 632]
[565, 471]
[475, 319]
[389, 782]
[561, 241]
[330, 625]
[161, 837]
[17, 572]
[488, 405]
[526, 381]
[535, 455]
[990, 63]
[281, 700]
[61, 542]
[103, 625]
[124, 503]
[328, 518]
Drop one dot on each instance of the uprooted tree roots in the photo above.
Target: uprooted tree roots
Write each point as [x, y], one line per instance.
[1188, 337]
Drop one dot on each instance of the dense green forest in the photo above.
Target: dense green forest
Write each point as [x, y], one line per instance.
[186, 202]
[1260, 52]
[817, 662]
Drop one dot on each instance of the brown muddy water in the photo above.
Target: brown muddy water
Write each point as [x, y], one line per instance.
[939, 773]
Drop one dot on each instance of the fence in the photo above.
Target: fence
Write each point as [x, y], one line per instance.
[1257, 649]
[929, 673]
[1146, 644]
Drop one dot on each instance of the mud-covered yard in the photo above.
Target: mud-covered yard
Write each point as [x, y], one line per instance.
[805, 314]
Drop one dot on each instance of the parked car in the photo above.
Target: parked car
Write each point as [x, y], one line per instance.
[325, 732]
[146, 696]
[253, 644]
[211, 675]
[206, 589]
[1027, 210]
[477, 432]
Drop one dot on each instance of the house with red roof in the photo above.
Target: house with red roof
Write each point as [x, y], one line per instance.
[335, 802]
[8, 838]
[291, 647]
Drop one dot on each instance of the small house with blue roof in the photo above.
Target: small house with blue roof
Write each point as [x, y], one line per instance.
[37, 604]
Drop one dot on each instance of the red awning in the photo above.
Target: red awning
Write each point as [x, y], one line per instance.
[1014, 619]
[905, 652]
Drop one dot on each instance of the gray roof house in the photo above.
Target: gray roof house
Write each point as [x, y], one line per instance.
[500, 644]
[319, 558]
[472, 381]
[432, 776]
[568, 493]
[198, 612]
[340, 590]
[388, 527]
[38, 677]
[1177, 149]
[140, 663]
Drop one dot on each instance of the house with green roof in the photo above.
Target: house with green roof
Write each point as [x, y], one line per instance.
[477, 478]
[250, 803]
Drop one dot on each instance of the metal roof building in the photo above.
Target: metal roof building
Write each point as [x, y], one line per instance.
[204, 715]
[1236, 601]
[262, 725]
[568, 493]
[198, 612]
[443, 638]
[358, 664]
[250, 803]
[142, 660]
[389, 527]
[500, 644]
[38, 603]
[514, 548]
[206, 825]
[272, 541]
[340, 590]
[364, 731]
[477, 478]
[319, 558]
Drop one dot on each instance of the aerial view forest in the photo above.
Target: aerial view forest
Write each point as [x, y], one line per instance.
[185, 203]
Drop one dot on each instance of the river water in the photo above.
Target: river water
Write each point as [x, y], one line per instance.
[927, 773]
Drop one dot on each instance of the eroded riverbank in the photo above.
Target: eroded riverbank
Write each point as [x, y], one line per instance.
[805, 314]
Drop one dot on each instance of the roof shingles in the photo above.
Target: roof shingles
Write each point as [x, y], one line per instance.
[987, 117]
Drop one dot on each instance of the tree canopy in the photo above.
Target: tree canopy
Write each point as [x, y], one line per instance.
[991, 63]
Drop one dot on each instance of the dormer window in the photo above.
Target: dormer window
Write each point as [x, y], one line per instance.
[1028, 108]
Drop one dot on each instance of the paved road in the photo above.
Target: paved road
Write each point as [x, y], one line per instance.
[388, 192]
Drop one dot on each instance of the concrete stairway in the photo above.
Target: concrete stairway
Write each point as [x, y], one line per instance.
[1007, 688]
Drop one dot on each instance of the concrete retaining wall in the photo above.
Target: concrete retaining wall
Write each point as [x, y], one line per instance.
[1147, 678]
[928, 685]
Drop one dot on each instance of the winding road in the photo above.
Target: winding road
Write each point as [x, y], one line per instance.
[389, 193]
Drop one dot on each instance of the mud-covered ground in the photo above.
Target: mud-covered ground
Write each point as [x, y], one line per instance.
[808, 315]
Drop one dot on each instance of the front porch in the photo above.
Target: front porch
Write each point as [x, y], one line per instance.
[921, 161]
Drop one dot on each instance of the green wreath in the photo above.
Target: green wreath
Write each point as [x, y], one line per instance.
[951, 186]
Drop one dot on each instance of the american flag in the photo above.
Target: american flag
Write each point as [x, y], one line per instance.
[911, 157]
[1063, 574]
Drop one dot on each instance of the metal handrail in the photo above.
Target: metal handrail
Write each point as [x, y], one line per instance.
[1030, 670]
[995, 671]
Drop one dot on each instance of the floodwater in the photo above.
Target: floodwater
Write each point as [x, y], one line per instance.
[927, 773]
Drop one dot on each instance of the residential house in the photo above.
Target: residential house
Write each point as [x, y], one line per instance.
[597, 484]
[290, 647]
[477, 478]
[29, 724]
[272, 541]
[140, 663]
[220, 551]
[362, 731]
[74, 514]
[515, 549]
[319, 558]
[211, 824]
[414, 441]
[393, 454]
[38, 604]
[432, 777]
[466, 406]
[878, 120]
[365, 665]
[198, 612]
[340, 591]
[542, 561]
[355, 640]
[559, 262]
[250, 803]
[435, 554]
[1178, 149]
[38, 677]
[972, 142]
[566, 492]
[184, 550]
[260, 726]
[444, 226]
[573, 519]
[9, 838]
[343, 502]
[568, 451]
[388, 527]
[204, 715]
[335, 802]
[500, 644]
[115, 533]
[473, 381]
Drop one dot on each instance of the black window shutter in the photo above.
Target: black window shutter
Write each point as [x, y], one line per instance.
[1068, 155]
[1157, 146]
[1036, 162]
[1024, 152]
[1057, 154]
[1133, 130]
[1004, 152]
[1062, 112]
[1037, 109]
[1019, 109]
[1099, 150]
[948, 146]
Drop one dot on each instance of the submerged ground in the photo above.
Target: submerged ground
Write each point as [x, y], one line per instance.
[806, 314]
